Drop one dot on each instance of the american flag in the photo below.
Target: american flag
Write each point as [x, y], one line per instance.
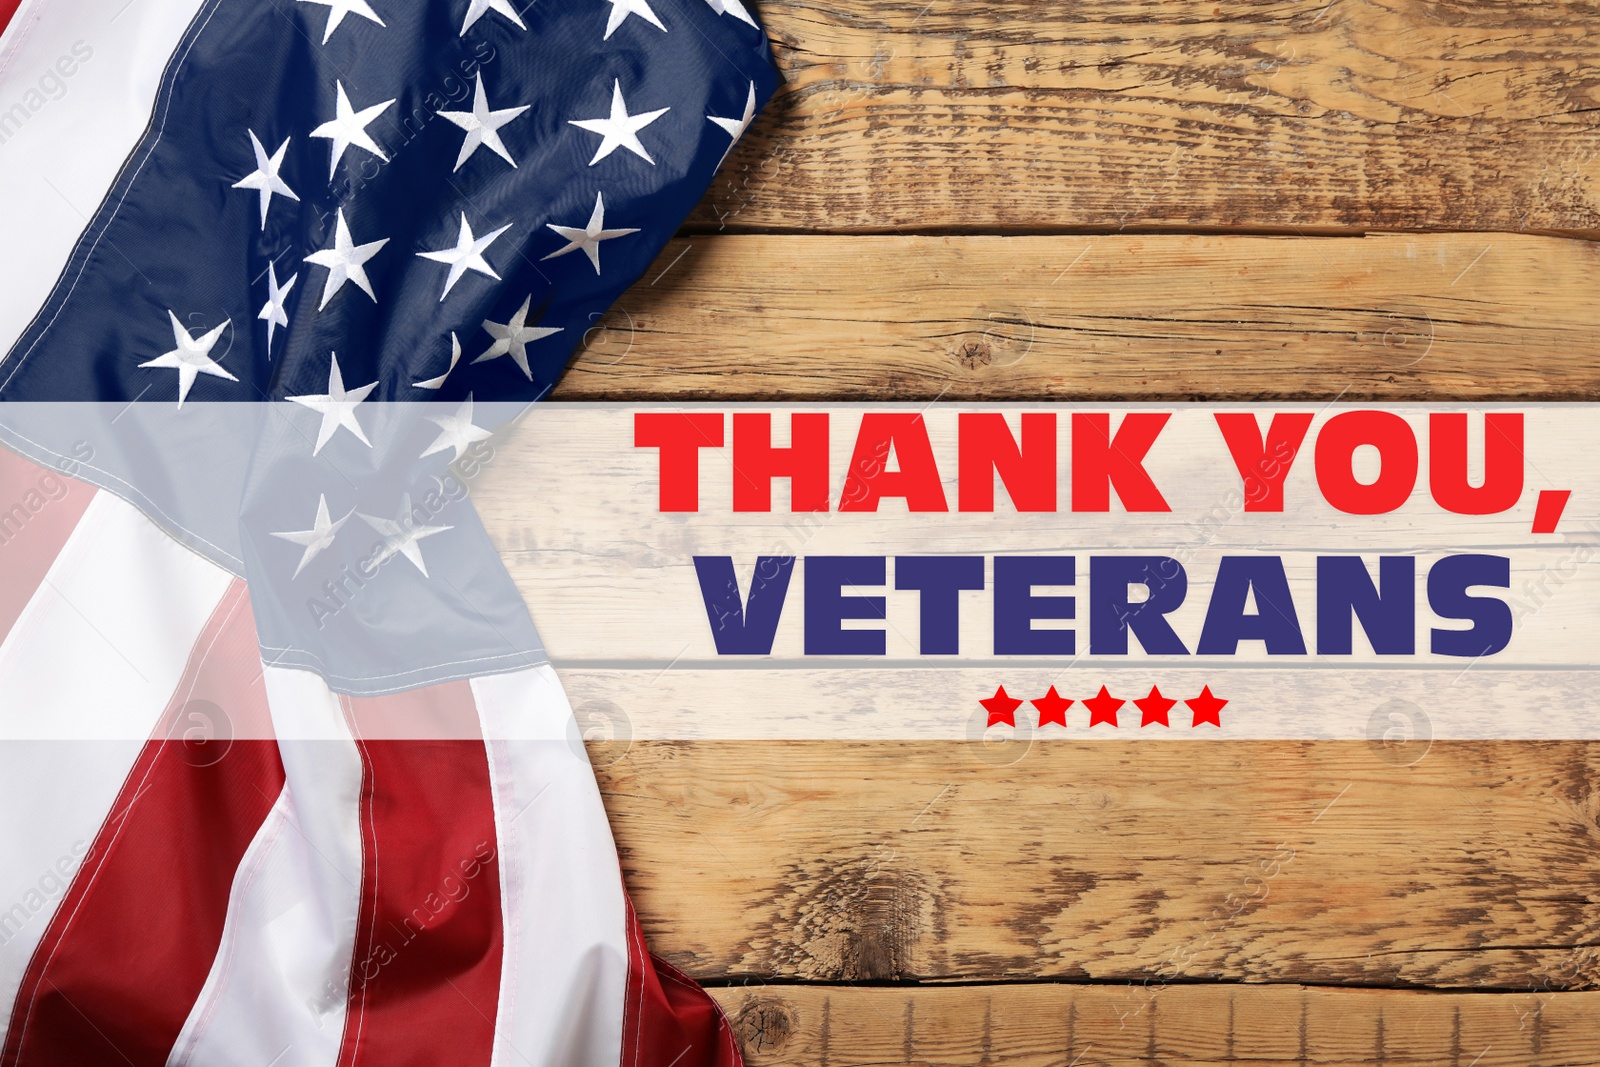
[286, 777]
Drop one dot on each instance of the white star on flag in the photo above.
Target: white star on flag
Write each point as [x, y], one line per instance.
[264, 179]
[455, 357]
[338, 9]
[466, 255]
[588, 237]
[732, 7]
[191, 357]
[482, 126]
[273, 312]
[736, 127]
[620, 129]
[316, 539]
[457, 431]
[346, 262]
[476, 9]
[401, 534]
[514, 337]
[621, 9]
[337, 407]
[349, 127]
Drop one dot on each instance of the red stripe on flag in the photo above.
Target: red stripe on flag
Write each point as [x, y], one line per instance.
[39, 509]
[425, 978]
[668, 1020]
[128, 951]
[7, 9]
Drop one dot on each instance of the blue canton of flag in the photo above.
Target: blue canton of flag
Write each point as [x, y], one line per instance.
[336, 206]
[325, 196]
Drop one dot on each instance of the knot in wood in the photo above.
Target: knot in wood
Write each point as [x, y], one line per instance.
[974, 354]
[765, 1024]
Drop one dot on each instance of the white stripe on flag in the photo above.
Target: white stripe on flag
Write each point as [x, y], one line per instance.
[105, 638]
[66, 135]
[278, 990]
[96, 656]
[251, 868]
[565, 967]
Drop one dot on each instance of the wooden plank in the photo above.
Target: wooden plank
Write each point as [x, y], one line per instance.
[1457, 316]
[933, 700]
[1120, 1026]
[609, 577]
[1326, 863]
[1351, 115]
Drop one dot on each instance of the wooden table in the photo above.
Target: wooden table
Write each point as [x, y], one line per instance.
[1388, 200]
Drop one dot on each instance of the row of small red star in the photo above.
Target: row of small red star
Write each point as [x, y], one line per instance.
[1153, 709]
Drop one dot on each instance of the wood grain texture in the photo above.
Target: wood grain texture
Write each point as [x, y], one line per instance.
[1131, 876]
[1331, 115]
[1120, 1026]
[1318, 862]
[611, 579]
[1421, 317]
